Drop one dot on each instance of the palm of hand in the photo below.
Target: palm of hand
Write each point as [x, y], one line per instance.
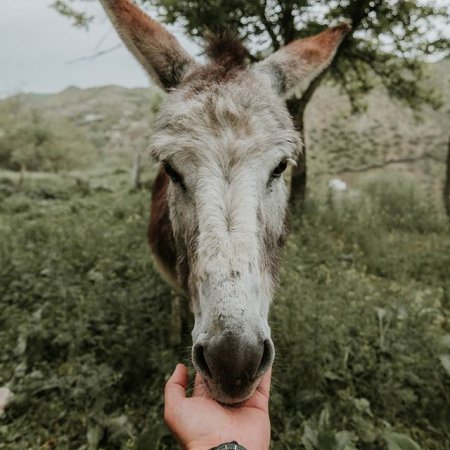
[200, 423]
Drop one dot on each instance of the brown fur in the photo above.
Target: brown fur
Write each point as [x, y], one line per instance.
[155, 48]
[160, 234]
[216, 230]
[316, 49]
[228, 59]
[303, 59]
[226, 50]
[210, 75]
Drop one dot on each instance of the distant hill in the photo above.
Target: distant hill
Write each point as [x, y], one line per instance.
[387, 136]
[116, 120]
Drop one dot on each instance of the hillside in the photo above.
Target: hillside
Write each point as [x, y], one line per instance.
[360, 318]
[114, 119]
[360, 321]
[387, 136]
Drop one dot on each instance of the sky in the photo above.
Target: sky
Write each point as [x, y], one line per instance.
[40, 51]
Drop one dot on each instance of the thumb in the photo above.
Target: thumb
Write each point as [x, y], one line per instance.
[264, 386]
[175, 389]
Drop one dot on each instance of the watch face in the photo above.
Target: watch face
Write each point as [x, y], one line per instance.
[229, 446]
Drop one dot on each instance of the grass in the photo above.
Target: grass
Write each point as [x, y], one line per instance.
[360, 321]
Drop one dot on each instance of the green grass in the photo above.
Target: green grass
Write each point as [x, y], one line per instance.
[360, 321]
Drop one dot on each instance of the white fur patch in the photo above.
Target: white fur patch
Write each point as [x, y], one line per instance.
[225, 143]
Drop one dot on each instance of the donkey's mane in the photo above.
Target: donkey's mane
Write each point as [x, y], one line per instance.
[228, 58]
[226, 49]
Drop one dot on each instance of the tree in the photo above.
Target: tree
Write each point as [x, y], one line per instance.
[446, 190]
[388, 42]
[31, 141]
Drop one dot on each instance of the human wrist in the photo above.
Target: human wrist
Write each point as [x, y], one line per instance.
[201, 445]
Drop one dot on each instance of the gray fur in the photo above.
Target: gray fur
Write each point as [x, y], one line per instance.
[225, 128]
[229, 223]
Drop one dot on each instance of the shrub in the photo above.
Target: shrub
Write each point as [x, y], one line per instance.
[402, 205]
[29, 141]
[360, 324]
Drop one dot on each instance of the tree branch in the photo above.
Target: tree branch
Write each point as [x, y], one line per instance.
[347, 91]
[388, 162]
[95, 55]
[268, 26]
[287, 24]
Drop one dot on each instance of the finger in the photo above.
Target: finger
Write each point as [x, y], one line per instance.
[199, 387]
[176, 385]
[264, 385]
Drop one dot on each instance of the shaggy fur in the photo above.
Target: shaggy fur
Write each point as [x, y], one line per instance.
[223, 130]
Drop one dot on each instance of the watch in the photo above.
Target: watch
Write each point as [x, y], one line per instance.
[229, 446]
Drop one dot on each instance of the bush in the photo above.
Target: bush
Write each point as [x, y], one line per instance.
[402, 205]
[29, 141]
[359, 324]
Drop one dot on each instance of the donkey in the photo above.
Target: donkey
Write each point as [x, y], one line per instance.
[224, 138]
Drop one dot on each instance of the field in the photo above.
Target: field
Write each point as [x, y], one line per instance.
[360, 321]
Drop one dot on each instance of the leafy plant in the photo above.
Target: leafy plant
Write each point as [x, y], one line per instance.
[360, 322]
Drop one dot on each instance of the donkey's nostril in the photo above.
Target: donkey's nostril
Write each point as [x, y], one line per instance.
[266, 358]
[200, 360]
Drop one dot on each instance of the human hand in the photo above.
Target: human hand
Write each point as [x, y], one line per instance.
[200, 423]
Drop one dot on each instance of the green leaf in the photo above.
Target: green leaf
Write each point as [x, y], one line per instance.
[446, 341]
[365, 428]
[399, 441]
[362, 405]
[94, 436]
[344, 440]
[324, 419]
[445, 361]
[326, 440]
[309, 438]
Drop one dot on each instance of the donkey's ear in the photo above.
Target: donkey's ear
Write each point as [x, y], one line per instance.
[154, 47]
[301, 61]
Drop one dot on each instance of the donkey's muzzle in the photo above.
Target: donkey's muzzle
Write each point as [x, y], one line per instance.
[233, 363]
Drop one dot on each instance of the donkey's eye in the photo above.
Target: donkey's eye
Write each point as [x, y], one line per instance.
[173, 174]
[277, 172]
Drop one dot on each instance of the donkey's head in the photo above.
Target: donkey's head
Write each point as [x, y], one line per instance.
[225, 137]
